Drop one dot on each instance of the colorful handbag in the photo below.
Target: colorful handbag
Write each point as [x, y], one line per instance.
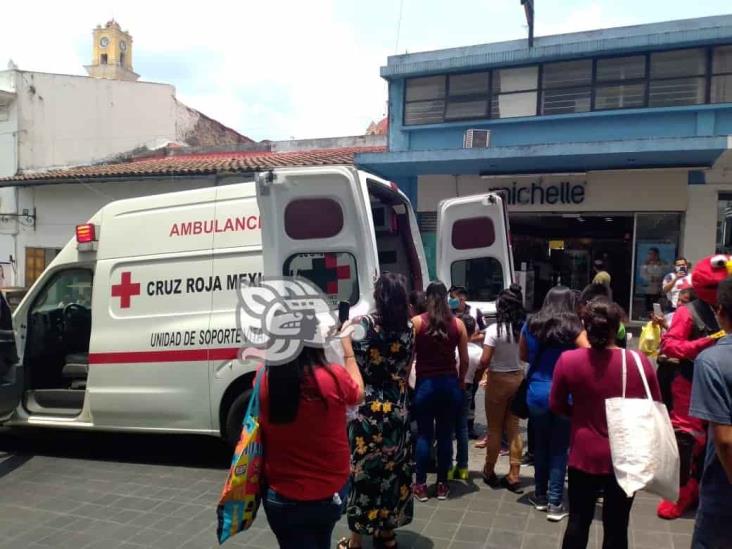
[242, 493]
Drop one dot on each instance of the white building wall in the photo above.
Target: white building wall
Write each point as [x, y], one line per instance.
[8, 167]
[60, 208]
[71, 120]
[700, 231]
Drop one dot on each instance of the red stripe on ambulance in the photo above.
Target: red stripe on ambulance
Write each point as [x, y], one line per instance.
[178, 355]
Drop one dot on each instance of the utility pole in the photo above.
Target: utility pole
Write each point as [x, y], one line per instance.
[529, 10]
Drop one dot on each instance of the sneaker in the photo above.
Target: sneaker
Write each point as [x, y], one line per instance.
[482, 443]
[458, 473]
[443, 490]
[461, 473]
[540, 503]
[420, 492]
[528, 459]
[555, 513]
[504, 452]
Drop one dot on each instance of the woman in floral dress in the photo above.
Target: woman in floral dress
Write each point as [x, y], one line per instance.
[381, 459]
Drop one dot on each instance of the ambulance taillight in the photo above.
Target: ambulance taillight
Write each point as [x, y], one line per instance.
[86, 237]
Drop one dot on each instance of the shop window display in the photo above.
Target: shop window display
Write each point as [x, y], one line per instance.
[656, 248]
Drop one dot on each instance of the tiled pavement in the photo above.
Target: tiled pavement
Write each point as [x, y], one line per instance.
[77, 490]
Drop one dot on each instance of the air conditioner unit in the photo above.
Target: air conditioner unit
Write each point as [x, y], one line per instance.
[477, 139]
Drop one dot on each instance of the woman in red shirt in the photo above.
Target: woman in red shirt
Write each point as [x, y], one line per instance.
[583, 380]
[306, 453]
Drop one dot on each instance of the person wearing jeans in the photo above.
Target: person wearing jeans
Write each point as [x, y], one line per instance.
[554, 329]
[711, 400]
[583, 381]
[551, 442]
[462, 421]
[436, 401]
[303, 524]
[302, 412]
[438, 391]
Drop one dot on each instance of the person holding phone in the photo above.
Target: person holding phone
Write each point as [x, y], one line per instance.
[380, 499]
[672, 282]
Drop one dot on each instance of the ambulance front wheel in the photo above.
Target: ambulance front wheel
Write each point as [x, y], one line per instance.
[235, 417]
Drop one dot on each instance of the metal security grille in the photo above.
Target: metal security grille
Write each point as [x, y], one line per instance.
[427, 221]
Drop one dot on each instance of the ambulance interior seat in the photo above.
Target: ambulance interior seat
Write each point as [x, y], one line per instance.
[395, 246]
[57, 345]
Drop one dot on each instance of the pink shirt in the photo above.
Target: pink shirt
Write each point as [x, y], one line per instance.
[588, 377]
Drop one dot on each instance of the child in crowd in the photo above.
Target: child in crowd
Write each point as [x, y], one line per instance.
[460, 471]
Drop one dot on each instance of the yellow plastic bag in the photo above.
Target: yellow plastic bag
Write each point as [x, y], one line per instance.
[650, 339]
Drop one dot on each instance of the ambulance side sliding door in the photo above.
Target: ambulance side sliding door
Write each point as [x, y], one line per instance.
[152, 298]
[237, 258]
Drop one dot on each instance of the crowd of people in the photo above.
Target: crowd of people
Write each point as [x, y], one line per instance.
[421, 361]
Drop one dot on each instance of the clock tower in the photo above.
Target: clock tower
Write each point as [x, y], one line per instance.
[112, 53]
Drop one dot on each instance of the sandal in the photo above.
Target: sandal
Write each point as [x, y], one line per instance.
[514, 487]
[345, 543]
[381, 542]
[491, 480]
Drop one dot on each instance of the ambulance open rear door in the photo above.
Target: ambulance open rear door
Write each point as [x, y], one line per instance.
[473, 247]
[317, 224]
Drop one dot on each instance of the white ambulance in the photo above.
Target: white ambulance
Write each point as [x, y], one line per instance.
[133, 326]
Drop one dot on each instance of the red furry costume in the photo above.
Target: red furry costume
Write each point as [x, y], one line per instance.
[693, 329]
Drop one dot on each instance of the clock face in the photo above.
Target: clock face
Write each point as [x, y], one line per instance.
[104, 42]
[123, 45]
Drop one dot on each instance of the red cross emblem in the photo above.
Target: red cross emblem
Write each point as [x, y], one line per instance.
[125, 290]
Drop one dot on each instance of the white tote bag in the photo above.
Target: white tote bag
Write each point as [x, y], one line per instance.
[642, 441]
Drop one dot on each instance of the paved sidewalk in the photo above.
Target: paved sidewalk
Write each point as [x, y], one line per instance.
[102, 491]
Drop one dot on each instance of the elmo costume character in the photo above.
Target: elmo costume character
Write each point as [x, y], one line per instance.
[693, 328]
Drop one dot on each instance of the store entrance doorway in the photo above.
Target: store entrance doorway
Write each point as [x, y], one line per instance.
[561, 248]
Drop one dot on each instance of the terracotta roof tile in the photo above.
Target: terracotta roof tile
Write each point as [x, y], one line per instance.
[197, 164]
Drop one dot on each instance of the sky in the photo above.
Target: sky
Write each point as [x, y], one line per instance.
[284, 69]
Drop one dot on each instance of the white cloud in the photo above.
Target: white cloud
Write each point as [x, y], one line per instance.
[285, 68]
[269, 69]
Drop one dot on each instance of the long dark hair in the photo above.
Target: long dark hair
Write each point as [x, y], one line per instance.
[602, 319]
[417, 302]
[392, 305]
[557, 323]
[438, 312]
[592, 291]
[285, 384]
[510, 312]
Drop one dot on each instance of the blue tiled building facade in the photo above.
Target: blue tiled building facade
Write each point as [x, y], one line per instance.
[611, 144]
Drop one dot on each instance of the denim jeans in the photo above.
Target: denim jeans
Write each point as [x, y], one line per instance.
[303, 524]
[551, 443]
[711, 532]
[436, 403]
[461, 428]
